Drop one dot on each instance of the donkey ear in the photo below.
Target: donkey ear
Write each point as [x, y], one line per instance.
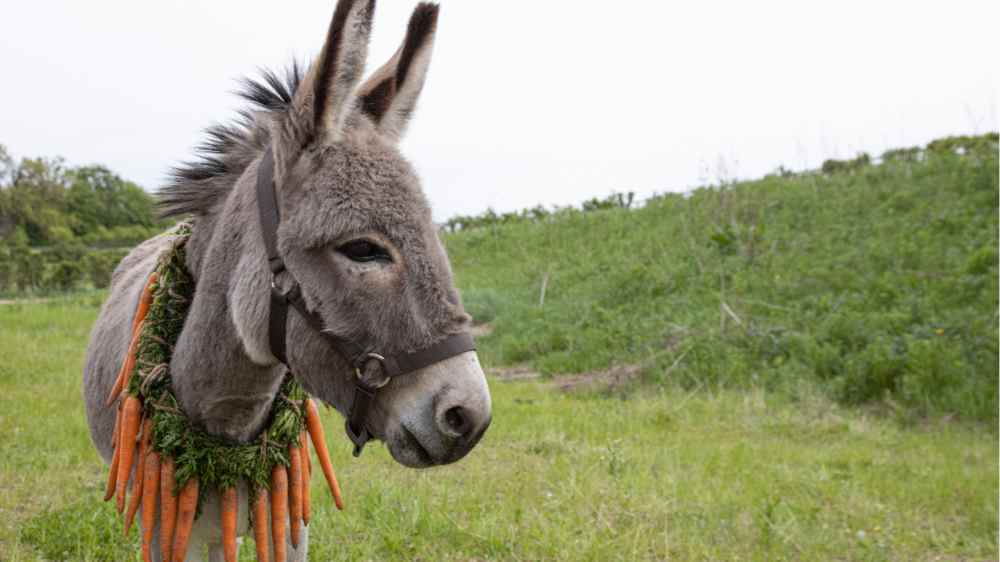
[320, 102]
[390, 94]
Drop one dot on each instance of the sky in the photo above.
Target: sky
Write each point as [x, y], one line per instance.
[527, 102]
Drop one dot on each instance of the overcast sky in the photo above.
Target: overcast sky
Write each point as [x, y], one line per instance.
[527, 101]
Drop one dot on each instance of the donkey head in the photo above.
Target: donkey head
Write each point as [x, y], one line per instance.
[356, 233]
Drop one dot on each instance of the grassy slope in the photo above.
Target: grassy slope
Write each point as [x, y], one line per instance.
[704, 476]
[879, 285]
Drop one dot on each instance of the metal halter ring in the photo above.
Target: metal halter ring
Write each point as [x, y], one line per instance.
[368, 357]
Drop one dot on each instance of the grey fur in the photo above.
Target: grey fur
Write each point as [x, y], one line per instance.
[341, 178]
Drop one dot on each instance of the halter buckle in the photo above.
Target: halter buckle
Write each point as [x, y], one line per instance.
[362, 363]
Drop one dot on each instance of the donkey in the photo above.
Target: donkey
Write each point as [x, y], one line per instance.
[356, 236]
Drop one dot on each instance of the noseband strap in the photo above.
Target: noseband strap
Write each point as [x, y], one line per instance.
[372, 369]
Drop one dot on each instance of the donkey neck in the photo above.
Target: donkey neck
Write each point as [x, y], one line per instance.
[218, 383]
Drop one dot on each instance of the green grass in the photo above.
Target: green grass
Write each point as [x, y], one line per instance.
[710, 475]
[819, 360]
[878, 284]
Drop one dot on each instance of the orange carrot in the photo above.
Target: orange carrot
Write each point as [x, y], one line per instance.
[319, 442]
[139, 477]
[295, 492]
[304, 443]
[115, 458]
[279, 510]
[118, 426]
[126, 370]
[260, 525]
[150, 488]
[168, 508]
[229, 511]
[145, 300]
[306, 477]
[187, 505]
[131, 413]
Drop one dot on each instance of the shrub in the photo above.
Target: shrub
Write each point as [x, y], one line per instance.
[99, 266]
[65, 275]
[482, 304]
[832, 166]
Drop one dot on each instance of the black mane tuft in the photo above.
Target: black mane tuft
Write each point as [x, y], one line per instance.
[196, 186]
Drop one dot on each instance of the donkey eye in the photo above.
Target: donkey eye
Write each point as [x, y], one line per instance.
[364, 251]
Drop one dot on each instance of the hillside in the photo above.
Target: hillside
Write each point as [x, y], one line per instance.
[876, 281]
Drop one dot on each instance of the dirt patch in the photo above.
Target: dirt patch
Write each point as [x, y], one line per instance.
[21, 301]
[517, 373]
[612, 379]
[609, 380]
[481, 330]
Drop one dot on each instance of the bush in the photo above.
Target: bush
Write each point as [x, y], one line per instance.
[63, 267]
[846, 166]
[65, 275]
[7, 270]
[99, 265]
[482, 304]
[538, 213]
[29, 268]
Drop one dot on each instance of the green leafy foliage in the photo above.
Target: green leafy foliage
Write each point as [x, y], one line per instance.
[491, 218]
[877, 281]
[63, 228]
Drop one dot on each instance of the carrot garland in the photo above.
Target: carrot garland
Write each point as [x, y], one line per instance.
[187, 506]
[171, 459]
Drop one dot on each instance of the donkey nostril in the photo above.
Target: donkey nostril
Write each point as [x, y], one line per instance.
[456, 419]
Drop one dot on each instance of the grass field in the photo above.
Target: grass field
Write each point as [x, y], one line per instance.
[711, 475]
[802, 367]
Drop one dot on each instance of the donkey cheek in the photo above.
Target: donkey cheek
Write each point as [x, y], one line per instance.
[373, 280]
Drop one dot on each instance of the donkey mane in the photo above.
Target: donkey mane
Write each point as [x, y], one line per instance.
[196, 186]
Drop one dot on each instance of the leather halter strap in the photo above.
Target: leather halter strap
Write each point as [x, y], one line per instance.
[372, 369]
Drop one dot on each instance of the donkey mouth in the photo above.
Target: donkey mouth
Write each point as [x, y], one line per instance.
[413, 446]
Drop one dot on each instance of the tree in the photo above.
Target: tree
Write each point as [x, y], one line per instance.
[35, 198]
[98, 197]
[7, 168]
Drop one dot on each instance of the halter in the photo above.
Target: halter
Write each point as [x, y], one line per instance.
[372, 369]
